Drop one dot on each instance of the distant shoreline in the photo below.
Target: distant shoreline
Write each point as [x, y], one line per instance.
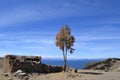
[73, 63]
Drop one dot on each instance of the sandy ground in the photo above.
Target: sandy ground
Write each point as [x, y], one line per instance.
[109, 76]
[81, 75]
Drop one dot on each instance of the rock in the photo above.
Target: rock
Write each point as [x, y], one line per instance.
[10, 79]
[118, 69]
[22, 74]
[5, 74]
[75, 70]
[17, 72]
[26, 77]
[106, 69]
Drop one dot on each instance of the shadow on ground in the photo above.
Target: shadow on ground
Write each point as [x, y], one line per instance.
[92, 73]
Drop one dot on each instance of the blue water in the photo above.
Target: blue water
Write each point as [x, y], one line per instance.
[79, 63]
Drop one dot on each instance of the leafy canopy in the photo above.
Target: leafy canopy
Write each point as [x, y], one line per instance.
[64, 39]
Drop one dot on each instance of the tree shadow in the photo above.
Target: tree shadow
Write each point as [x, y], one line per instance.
[92, 73]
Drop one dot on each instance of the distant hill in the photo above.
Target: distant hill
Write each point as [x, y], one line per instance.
[1, 62]
[1, 58]
[108, 64]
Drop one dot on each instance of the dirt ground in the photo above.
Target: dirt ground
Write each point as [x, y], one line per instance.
[81, 75]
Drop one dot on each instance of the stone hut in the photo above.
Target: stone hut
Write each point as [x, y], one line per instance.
[28, 64]
[13, 63]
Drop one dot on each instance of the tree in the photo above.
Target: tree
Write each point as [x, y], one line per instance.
[65, 41]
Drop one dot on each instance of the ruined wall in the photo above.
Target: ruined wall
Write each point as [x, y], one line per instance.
[28, 64]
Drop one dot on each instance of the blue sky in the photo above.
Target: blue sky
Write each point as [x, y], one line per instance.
[29, 27]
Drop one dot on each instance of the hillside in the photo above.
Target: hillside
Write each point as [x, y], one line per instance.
[1, 62]
[108, 64]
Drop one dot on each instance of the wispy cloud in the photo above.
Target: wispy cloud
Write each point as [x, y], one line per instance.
[94, 38]
[27, 43]
[21, 14]
[99, 39]
[17, 15]
[100, 33]
[93, 2]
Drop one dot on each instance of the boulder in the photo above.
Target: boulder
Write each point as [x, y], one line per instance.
[5, 74]
[118, 69]
[21, 75]
[17, 72]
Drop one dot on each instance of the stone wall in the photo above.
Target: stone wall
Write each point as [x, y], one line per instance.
[28, 64]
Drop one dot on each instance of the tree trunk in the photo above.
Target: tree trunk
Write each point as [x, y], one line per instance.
[64, 65]
[65, 59]
[65, 56]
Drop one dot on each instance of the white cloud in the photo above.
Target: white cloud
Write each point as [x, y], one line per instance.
[27, 43]
[95, 38]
